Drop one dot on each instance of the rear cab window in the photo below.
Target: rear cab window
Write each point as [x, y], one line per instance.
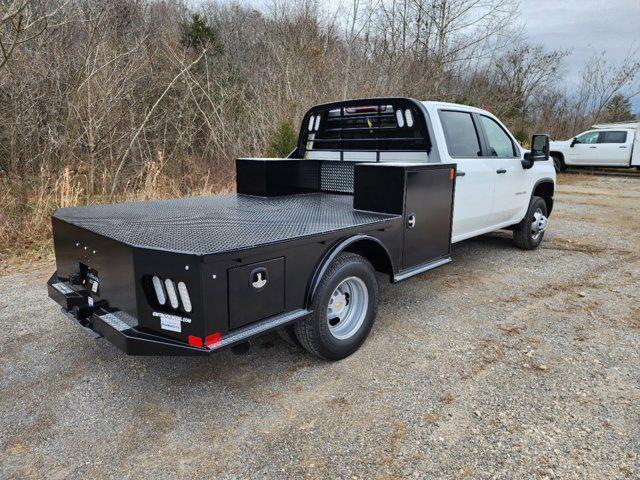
[614, 136]
[460, 133]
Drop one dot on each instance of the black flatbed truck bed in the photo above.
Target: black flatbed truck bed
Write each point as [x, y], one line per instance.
[210, 225]
[251, 262]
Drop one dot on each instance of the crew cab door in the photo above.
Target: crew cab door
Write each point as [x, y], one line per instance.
[614, 148]
[476, 175]
[510, 191]
[585, 149]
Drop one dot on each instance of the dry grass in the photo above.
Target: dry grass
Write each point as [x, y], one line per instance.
[25, 210]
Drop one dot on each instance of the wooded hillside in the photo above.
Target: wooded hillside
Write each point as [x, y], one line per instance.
[105, 100]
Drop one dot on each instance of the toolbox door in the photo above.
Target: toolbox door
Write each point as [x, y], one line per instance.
[428, 208]
[256, 292]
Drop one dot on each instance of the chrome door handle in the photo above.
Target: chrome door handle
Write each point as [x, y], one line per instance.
[501, 170]
[622, 146]
[592, 147]
[411, 220]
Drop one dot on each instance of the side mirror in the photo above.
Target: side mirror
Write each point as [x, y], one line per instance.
[527, 161]
[540, 147]
[539, 151]
[574, 140]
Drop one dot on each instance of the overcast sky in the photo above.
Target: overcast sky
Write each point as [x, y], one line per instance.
[584, 26]
[581, 26]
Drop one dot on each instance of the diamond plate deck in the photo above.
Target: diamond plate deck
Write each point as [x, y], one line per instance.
[214, 224]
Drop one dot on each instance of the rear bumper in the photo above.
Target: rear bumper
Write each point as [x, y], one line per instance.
[130, 340]
[119, 328]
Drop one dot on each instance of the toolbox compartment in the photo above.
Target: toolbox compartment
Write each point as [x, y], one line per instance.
[256, 291]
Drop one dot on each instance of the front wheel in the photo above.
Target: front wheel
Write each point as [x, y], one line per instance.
[529, 232]
[344, 309]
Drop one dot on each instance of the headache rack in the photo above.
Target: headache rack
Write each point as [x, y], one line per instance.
[365, 130]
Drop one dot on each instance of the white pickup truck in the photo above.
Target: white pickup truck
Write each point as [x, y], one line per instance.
[605, 145]
[383, 184]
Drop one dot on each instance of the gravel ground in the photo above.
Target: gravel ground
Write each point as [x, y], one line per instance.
[503, 364]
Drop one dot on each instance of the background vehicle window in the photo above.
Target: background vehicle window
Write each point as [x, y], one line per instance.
[613, 137]
[461, 135]
[500, 144]
[589, 137]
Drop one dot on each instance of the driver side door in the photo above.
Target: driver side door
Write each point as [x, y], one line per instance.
[585, 150]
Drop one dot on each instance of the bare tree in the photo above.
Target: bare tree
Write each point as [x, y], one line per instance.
[601, 82]
[108, 99]
[22, 21]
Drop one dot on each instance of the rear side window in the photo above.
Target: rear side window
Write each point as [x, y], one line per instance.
[613, 137]
[500, 145]
[461, 134]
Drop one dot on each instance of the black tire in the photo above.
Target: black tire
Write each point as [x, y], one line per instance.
[315, 334]
[558, 164]
[523, 234]
[288, 334]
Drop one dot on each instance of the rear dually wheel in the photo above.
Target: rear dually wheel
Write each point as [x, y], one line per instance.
[344, 307]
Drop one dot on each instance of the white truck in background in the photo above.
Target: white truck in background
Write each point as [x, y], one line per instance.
[605, 145]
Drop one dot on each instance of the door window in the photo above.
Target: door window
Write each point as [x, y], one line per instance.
[500, 145]
[613, 137]
[461, 134]
[588, 138]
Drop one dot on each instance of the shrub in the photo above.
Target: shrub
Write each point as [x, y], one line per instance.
[198, 34]
[282, 140]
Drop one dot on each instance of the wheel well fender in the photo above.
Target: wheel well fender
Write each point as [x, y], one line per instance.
[369, 247]
[558, 155]
[545, 188]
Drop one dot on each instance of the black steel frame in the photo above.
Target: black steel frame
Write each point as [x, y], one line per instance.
[423, 125]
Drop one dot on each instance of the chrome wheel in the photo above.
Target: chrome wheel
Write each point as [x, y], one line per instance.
[539, 224]
[347, 308]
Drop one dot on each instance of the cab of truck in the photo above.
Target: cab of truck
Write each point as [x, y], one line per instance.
[495, 183]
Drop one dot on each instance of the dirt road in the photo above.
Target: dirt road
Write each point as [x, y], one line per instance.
[503, 364]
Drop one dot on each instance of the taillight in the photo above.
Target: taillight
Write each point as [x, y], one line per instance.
[184, 296]
[409, 116]
[157, 287]
[167, 293]
[171, 292]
